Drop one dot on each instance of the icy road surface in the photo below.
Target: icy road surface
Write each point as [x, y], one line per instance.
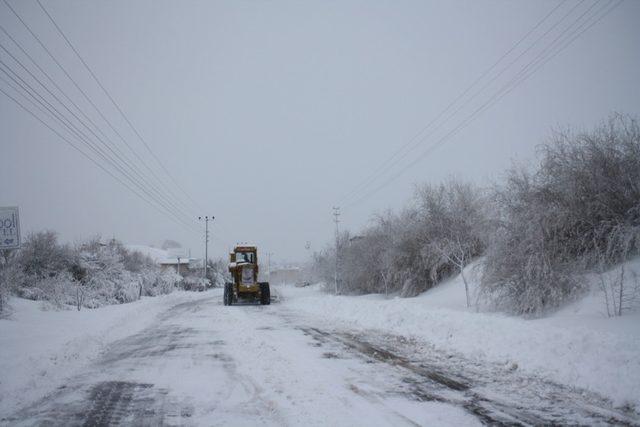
[202, 363]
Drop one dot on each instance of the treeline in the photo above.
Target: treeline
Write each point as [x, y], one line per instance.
[90, 274]
[576, 211]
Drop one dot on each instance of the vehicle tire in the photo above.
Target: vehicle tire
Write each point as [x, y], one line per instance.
[228, 294]
[265, 294]
[224, 295]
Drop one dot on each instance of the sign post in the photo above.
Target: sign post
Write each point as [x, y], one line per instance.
[9, 228]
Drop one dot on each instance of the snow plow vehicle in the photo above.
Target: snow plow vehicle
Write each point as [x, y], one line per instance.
[243, 266]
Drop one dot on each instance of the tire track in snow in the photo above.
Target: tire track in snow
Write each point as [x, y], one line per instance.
[557, 405]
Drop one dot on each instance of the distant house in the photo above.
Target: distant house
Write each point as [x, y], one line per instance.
[169, 259]
[285, 276]
[196, 264]
[179, 265]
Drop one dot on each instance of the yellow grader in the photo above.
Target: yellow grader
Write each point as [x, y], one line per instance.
[243, 266]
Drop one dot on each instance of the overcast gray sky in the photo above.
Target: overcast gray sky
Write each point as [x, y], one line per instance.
[269, 112]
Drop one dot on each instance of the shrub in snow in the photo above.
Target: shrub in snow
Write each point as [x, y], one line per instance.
[453, 227]
[10, 276]
[217, 273]
[104, 269]
[166, 282]
[621, 290]
[57, 290]
[135, 262]
[90, 275]
[128, 288]
[580, 207]
[41, 255]
[4, 295]
[410, 252]
[194, 283]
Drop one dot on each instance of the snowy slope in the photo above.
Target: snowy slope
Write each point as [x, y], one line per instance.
[577, 346]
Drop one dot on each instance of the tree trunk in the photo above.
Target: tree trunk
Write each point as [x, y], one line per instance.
[621, 290]
[466, 286]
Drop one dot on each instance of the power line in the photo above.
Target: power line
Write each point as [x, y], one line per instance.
[412, 142]
[494, 99]
[62, 92]
[77, 86]
[135, 130]
[73, 129]
[24, 85]
[45, 109]
[582, 28]
[23, 107]
[506, 89]
[478, 92]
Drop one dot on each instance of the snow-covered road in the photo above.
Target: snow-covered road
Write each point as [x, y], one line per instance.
[202, 363]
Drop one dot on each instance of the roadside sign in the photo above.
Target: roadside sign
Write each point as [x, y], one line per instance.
[9, 228]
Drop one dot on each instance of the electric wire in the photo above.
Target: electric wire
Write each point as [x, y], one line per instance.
[107, 146]
[410, 143]
[506, 89]
[479, 91]
[72, 128]
[62, 92]
[55, 115]
[84, 154]
[113, 101]
[76, 85]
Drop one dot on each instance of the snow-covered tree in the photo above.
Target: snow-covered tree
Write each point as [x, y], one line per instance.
[409, 252]
[578, 210]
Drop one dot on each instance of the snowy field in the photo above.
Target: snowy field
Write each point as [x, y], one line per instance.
[40, 348]
[316, 359]
[577, 345]
[186, 359]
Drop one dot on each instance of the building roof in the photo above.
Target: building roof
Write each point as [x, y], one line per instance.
[174, 261]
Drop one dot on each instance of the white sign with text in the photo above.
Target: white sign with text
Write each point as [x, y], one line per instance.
[9, 228]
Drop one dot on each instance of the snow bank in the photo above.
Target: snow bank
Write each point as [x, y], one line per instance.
[40, 349]
[577, 345]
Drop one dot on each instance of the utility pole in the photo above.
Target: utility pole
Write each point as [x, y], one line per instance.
[206, 240]
[336, 219]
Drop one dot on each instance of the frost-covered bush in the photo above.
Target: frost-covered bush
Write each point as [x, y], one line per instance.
[90, 275]
[128, 288]
[10, 276]
[409, 252]
[42, 256]
[57, 290]
[526, 269]
[165, 282]
[4, 293]
[194, 283]
[217, 273]
[451, 224]
[104, 271]
[580, 208]
[134, 261]
[115, 275]
[577, 211]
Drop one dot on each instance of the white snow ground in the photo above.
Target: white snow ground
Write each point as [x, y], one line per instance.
[577, 345]
[39, 348]
[304, 360]
[196, 363]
